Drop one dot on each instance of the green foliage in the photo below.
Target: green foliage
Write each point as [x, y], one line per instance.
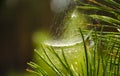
[99, 55]
[108, 11]
[102, 61]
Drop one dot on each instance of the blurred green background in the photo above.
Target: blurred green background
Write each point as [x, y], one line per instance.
[19, 19]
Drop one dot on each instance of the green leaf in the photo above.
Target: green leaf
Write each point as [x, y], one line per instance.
[89, 7]
[107, 19]
[86, 53]
[113, 3]
[52, 64]
[38, 69]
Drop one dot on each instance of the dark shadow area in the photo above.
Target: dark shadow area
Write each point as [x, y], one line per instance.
[19, 19]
